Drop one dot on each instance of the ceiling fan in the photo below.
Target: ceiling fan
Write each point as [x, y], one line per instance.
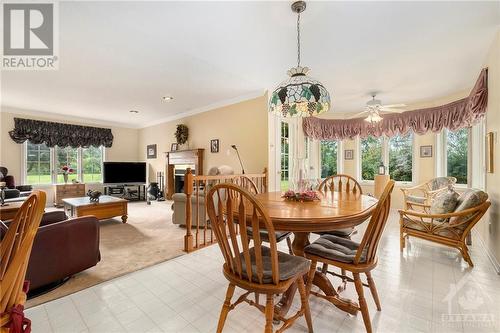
[374, 109]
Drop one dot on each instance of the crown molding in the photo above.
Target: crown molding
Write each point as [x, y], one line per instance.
[210, 107]
[58, 117]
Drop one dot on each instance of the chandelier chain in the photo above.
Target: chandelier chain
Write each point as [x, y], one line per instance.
[298, 39]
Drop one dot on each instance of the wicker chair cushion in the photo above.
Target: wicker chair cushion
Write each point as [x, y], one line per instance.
[416, 199]
[264, 235]
[335, 248]
[444, 202]
[289, 266]
[469, 199]
[443, 228]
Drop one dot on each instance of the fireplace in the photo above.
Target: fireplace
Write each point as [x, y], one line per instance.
[177, 163]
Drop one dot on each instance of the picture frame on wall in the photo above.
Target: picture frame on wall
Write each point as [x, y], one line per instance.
[490, 149]
[151, 151]
[349, 154]
[214, 146]
[426, 151]
[174, 147]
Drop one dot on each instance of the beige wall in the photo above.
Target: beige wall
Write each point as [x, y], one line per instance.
[243, 124]
[489, 227]
[125, 143]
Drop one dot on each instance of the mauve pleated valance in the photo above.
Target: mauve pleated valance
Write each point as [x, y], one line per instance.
[459, 114]
[58, 134]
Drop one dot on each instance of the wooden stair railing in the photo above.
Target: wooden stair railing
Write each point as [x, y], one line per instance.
[199, 234]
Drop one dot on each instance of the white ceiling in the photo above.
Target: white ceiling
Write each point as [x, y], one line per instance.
[118, 56]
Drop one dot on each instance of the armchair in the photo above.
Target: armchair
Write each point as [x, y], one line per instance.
[451, 229]
[424, 193]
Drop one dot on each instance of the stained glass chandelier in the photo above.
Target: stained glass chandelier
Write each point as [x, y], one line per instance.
[299, 95]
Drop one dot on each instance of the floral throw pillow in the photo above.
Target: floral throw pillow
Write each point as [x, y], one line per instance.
[469, 199]
[445, 202]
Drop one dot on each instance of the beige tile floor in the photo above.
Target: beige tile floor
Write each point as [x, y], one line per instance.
[185, 295]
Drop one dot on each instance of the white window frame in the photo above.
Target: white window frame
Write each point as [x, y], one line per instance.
[385, 160]
[53, 171]
[340, 157]
[476, 164]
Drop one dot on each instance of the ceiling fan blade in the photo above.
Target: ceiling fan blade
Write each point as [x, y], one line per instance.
[384, 108]
[357, 115]
[389, 111]
[394, 106]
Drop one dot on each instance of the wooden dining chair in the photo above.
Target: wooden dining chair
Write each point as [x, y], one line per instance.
[354, 257]
[249, 184]
[15, 249]
[257, 269]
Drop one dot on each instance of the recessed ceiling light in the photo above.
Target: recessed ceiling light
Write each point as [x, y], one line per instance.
[134, 111]
[167, 98]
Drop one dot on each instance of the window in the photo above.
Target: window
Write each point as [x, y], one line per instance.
[285, 155]
[401, 158]
[457, 147]
[38, 166]
[371, 156]
[43, 165]
[92, 164]
[329, 154]
[66, 157]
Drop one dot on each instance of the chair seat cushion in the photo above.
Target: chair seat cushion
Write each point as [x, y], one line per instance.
[415, 198]
[289, 266]
[339, 232]
[335, 248]
[440, 228]
[264, 235]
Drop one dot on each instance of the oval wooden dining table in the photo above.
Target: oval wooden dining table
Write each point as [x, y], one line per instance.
[334, 210]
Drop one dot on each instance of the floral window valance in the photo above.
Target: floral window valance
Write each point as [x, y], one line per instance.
[58, 134]
[459, 114]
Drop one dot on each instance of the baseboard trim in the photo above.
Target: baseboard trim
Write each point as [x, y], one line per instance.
[491, 257]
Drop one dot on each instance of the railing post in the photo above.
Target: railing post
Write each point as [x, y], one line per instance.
[188, 190]
[265, 180]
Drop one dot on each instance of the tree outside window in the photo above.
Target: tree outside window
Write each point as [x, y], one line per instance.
[38, 164]
[92, 164]
[401, 157]
[371, 155]
[328, 151]
[457, 145]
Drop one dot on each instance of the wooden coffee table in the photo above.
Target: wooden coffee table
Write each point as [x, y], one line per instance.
[106, 208]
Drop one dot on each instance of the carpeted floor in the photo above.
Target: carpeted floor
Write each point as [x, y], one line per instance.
[148, 237]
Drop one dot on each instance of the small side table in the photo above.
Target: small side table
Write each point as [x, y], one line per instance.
[380, 182]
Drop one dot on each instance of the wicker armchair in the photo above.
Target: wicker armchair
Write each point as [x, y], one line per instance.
[424, 193]
[438, 228]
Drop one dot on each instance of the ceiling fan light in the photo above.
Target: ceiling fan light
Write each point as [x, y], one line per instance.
[373, 118]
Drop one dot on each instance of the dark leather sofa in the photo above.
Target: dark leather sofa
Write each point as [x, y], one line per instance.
[62, 248]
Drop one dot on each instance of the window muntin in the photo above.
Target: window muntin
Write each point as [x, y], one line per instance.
[401, 157]
[92, 165]
[457, 148]
[66, 156]
[38, 165]
[43, 165]
[329, 157]
[371, 155]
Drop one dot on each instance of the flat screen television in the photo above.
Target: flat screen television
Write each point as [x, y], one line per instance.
[124, 173]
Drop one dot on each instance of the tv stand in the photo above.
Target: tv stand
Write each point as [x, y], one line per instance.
[137, 193]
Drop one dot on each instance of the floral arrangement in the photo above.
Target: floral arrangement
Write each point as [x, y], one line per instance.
[308, 195]
[181, 134]
[66, 170]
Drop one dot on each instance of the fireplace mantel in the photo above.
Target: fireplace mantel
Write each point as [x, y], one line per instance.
[182, 157]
